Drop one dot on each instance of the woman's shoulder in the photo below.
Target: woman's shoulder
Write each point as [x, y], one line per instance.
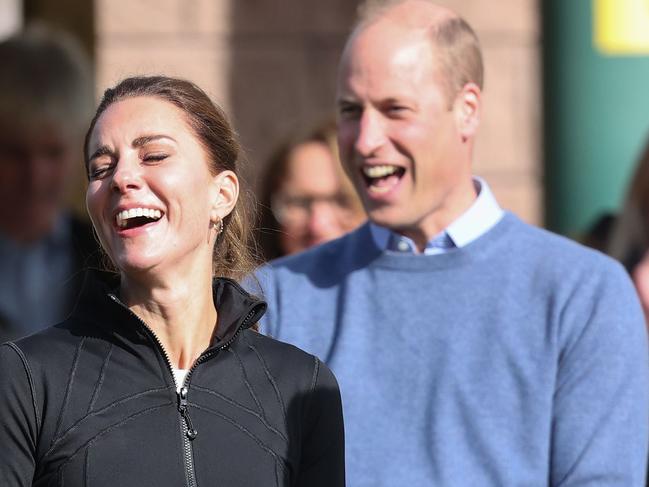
[53, 345]
[287, 362]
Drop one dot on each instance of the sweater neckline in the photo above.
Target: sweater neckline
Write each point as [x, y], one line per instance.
[481, 248]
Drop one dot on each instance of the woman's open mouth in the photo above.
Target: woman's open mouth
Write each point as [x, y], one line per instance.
[136, 217]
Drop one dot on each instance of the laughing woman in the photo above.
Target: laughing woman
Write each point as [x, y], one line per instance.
[158, 377]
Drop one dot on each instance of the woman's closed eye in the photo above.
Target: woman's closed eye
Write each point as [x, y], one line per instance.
[154, 157]
[99, 171]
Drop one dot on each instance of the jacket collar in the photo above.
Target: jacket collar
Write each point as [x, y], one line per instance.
[97, 303]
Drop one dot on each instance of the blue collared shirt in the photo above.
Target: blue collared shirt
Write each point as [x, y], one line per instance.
[477, 220]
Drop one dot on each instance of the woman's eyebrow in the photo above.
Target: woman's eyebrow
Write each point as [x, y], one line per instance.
[104, 150]
[145, 139]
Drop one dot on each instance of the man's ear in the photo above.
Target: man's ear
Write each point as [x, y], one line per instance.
[224, 194]
[467, 107]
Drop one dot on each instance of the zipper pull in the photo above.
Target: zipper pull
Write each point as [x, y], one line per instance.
[182, 408]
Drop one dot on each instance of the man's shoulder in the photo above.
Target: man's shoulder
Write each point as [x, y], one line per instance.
[558, 253]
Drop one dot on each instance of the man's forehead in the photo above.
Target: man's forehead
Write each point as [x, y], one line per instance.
[395, 60]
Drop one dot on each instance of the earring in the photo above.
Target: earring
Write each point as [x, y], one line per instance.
[219, 227]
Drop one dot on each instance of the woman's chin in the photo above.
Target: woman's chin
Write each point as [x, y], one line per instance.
[136, 266]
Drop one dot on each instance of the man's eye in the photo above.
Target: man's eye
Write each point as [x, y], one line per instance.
[349, 111]
[397, 110]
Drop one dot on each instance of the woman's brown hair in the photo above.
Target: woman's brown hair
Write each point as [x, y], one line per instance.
[233, 256]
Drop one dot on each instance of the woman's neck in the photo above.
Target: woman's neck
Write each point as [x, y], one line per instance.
[180, 311]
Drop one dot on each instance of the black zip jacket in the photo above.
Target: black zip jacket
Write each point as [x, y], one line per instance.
[92, 402]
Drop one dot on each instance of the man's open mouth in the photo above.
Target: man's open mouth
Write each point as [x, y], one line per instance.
[136, 217]
[382, 178]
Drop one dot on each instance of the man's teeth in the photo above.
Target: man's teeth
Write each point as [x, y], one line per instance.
[379, 171]
[124, 215]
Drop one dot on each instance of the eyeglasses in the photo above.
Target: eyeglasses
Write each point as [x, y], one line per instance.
[296, 210]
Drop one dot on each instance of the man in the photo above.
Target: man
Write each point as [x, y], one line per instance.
[471, 348]
[46, 97]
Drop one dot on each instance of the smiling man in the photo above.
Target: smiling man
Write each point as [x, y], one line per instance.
[471, 348]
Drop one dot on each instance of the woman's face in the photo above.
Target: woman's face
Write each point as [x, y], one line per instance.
[151, 197]
[313, 205]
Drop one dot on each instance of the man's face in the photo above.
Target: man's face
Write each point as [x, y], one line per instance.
[35, 165]
[398, 132]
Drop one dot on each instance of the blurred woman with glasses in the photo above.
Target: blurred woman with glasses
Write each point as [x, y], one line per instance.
[306, 197]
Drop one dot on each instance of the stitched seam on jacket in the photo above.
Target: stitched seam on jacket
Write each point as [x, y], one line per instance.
[86, 468]
[30, 379]
[246, 431]
[277, 478]
[97, 412]
[242, 407]
[95, 438]
[271, 380]
[68, 389]
[100, 381]
[316, 371]
[314, 381]
[247, 382]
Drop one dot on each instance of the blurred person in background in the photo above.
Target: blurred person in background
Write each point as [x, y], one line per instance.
[306, 198]
[629, 241]
[46, 97]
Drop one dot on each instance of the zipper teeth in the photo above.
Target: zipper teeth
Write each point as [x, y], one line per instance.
[149, 332]
[189, 458]
[208, 354]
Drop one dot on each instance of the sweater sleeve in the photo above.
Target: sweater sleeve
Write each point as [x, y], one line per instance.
[263, 284]
[323, 447]
[601, 407]
[18, 419]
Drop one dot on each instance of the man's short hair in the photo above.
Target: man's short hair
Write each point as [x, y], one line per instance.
[45, 75]
[455, 41]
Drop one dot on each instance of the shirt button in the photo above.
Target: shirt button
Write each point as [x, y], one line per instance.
[403, 246]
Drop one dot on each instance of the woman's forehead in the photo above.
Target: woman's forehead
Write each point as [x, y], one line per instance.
[141, 116]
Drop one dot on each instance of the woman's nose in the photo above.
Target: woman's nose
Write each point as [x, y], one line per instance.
[126, 175]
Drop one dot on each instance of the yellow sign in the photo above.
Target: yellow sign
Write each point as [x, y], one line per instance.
[621, 27]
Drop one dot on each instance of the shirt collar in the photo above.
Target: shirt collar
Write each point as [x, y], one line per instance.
[479, 218]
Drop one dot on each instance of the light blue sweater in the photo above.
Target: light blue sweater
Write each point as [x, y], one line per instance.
[519, 360]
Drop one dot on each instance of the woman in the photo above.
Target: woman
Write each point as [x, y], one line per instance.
[157, 377]
[306, 199]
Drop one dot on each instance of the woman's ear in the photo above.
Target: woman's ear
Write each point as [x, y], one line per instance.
[467, 110]
[224, 194]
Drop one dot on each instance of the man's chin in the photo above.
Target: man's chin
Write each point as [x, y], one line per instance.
[386, 217]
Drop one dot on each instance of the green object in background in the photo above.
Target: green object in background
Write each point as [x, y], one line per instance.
[596, 97]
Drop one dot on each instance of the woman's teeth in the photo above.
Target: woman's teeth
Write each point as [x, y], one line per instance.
[123, 216]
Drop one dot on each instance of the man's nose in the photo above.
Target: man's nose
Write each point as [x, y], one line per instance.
[371, 134]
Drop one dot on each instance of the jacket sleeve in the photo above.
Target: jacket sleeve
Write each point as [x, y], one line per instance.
[18, 419]
[323, 446]
[601, 408]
